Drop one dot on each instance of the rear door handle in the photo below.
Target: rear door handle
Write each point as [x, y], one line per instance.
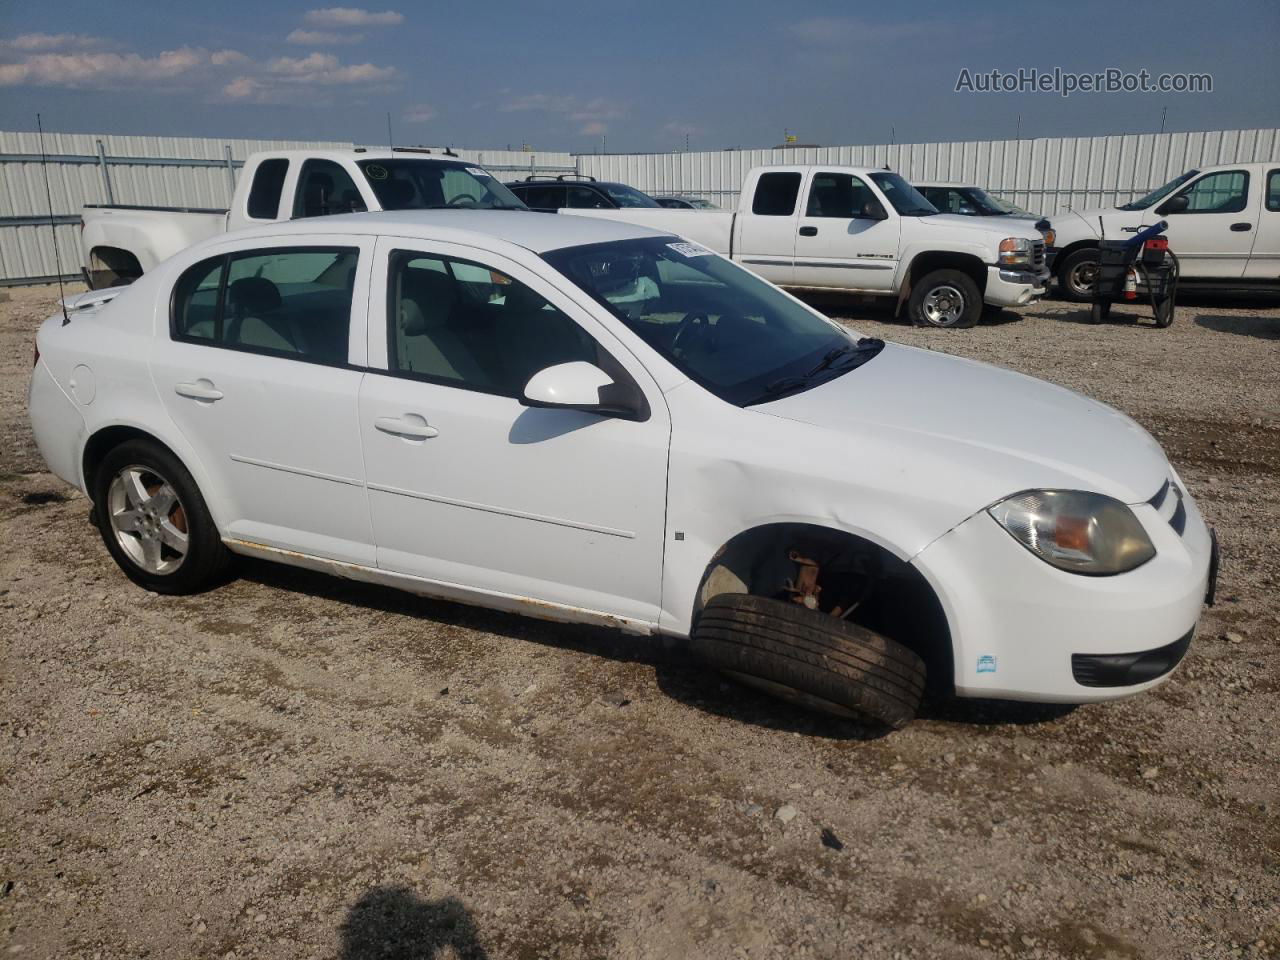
[200, 390]
[406, 428]
[1241, 227]
[808, 231]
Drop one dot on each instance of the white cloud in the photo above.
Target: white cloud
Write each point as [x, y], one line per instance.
[844, 31]
[593, 129]
[32, 42]
[321, 38]
[419, 113]
[111, 70]
[590, 113]
[325, 68]
[352, 17]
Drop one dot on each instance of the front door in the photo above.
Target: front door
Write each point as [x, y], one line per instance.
[1213, 235]
[841, 240]
[258, 375]
[467, 486]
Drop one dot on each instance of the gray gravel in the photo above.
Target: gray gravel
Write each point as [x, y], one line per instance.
[295, 766]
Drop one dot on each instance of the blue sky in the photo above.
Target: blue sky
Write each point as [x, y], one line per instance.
[626, 74]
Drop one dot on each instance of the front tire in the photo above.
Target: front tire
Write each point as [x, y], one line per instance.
[947, 299]
[154, 521]
[1077, 274]
[810, 658]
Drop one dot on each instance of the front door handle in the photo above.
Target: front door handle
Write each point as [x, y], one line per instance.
[1241, 227]
[200, 390]
[406, 428]
[808, 231]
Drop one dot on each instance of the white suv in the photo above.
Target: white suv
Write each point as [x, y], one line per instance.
[589, 420]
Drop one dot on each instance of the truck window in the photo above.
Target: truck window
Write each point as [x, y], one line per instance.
[1225, 192]
[839, 195]
[264, 195]
[292, 302]
[324, 187]
[776, 194]
[1273, 190]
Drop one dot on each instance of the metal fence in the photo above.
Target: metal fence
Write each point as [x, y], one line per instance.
[160, 171]
[1045, 175]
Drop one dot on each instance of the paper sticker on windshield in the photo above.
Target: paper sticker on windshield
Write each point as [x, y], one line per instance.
[478, 171]
[690, 249]
[375, 171]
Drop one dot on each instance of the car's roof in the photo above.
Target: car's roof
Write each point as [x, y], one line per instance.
[943, 183]
[538, 232]
[570, 182]
[363, 154]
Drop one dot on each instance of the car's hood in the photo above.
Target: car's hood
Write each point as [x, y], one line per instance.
[989, 432]
[997, 227]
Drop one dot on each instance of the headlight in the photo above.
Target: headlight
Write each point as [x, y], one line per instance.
[1076, 531]
[1015, 251]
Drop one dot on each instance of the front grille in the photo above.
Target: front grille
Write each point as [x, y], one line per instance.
[1168, 503]
[1037, 254]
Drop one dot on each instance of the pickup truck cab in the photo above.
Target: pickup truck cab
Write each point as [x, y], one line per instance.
[592, 421]
[1224, 228]
[864, 230]
[119, 243]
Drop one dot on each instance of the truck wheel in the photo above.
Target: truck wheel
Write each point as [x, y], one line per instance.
[810, 658]
[154, 521]
[945, 298]
[1076, 276]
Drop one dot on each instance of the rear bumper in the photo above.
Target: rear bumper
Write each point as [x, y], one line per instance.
[57, 424]
[1014, 288]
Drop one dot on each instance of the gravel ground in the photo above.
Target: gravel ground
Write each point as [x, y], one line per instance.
[296, 766]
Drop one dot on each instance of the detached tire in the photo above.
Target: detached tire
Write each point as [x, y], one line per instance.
[945, 298]
[810, 658]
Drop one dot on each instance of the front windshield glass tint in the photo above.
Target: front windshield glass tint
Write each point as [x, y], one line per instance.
[402, 183]
[720, 325]
[1155, 196]
[625, 196]
[905, 198]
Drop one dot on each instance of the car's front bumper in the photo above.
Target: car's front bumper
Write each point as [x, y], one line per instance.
[1022, 629]
[1014, 288]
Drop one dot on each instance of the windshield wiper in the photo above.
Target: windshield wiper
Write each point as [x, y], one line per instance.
[862, 351]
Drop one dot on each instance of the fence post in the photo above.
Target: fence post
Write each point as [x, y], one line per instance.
[106, 173]
[231, 173]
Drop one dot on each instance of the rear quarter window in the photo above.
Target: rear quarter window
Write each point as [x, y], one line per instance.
[776, 194]
[268, 183]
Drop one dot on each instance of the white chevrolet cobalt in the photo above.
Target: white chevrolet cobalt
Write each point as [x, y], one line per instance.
[589, 420]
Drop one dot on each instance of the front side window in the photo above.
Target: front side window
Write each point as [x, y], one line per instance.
[325, 188]
[291, 302]
[1155, 196]
[268, 182]
[408, 183]
[722, 326]
[1225, 192]
[462, 324]
[584, 198]
[776, 194]
[839, 195]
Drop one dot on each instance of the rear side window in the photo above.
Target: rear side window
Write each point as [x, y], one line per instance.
[288, 302]
[548, 197]
[1273, 190]
[268, 182]
[776, 194]
[324, 188]
[464, 325]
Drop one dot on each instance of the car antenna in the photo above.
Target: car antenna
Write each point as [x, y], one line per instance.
[53, 226]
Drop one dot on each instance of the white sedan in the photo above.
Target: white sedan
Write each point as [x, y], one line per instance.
[588, 420]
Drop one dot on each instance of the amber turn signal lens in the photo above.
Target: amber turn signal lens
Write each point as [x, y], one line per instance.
[1072, 533]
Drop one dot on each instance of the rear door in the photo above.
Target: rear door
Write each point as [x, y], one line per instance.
[261, 373]
[840, 242]
[1213, 236]
[766, 241]
[1264, 258]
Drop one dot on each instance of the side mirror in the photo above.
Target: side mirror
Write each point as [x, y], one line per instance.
[1176, 204]
[585, 387]
[874, 210]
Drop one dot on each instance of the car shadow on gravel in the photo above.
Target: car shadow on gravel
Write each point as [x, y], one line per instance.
[394, 923]
[676, 674]
[1264, 328]
[986, 713]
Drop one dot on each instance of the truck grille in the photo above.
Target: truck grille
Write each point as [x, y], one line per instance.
[1037, 254]
[1168, 503]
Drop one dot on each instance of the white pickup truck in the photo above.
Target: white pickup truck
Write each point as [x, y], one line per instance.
[864, 230]
[119, 243]
[1224, 227]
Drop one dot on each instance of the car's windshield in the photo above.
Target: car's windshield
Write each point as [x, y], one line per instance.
[625, 196]
[403, 183]
[1155, 196]
[723, 327]
[905, 198]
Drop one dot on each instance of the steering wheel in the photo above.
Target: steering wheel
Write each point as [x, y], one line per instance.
[463, 200]
[694, 327]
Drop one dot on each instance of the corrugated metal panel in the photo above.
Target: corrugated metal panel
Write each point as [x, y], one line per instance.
[1044, 175]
